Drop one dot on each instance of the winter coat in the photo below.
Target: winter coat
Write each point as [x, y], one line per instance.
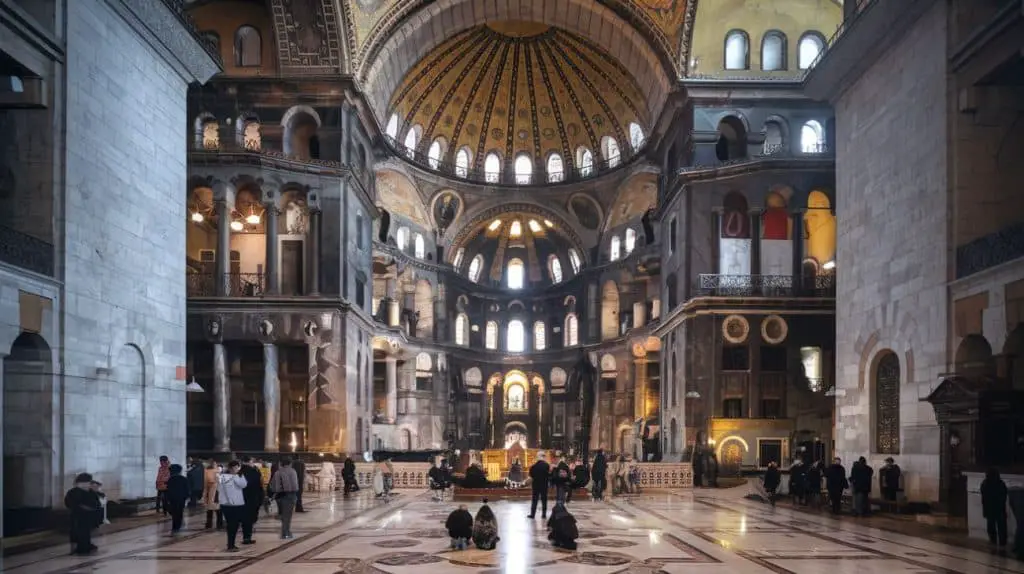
[485, 533]
[860, 476]
[253, 490]
[600, 466]
[162, 475]
[580, 476]
[231, 490]
[561, 475]
[993, 498]
[562, 525]
[459, 524]
[772, 479]
[210, 480]
[195, 477]
[178, 490]
[540, 473]
[835, 478]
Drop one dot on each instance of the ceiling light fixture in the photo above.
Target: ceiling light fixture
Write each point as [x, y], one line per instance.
[253, 218]
[830, 265]
[197, 217]
[494, 225]
[237, 225]
[548, 223]
[193, 386]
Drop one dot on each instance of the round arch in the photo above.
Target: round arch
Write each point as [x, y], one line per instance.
[408, 35]
[485, 216]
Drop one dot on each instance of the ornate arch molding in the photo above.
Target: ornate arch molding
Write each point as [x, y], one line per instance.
[893, 331]
[412, 28]
[562, 227]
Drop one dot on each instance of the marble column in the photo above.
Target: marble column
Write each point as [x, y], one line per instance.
[271, 398]
[313, 265]
[223, 255]
[798, 251]
[640, 388]
[639, 314]
[273, 286]
[391, 382]
[390, 297]
[221, 400]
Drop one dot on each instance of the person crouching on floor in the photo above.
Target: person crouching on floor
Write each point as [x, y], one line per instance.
[485, 528]
[460, 527]
[562, 530]
[84, 506]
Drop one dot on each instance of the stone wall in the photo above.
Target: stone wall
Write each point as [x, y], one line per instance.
[892, 247]
[124, 265]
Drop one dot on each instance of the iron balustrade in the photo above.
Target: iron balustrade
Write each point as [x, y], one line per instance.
[711, 284]
[25, 251]
[537, 176]
[238, 284]
[848, 22]
[990, 250]
[178, 8]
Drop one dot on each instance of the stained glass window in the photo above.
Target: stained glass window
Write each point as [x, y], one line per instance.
[887, 405]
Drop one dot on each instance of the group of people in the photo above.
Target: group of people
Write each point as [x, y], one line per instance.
[86, 506]
[805, 483]
[483, 531]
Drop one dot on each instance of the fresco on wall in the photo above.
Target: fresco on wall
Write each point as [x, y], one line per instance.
[636, 196]
[585, 211]
[447, 207]
[399, 196]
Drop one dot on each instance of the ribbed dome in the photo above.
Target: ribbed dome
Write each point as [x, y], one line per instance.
[515, 88]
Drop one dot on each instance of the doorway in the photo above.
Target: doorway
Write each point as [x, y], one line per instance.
[291, 266]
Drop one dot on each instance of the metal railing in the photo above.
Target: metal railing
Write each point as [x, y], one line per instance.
[711, 284]
[990, 250]
[237, 284]
[504, 176]
[848, 22]
[25, 251]
[178, 8]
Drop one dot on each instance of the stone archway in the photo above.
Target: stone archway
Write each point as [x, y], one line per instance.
[27, 431]
[130, 372]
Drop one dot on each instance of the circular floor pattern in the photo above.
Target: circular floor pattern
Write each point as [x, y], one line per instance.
[613, 543]
[408, 559]
[396, 543]
[599, 559]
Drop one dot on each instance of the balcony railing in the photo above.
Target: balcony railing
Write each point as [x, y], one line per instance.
[990, 250]
[766, 286]
[25, 251]
[538, 175]
[178, 8]
[238, 284]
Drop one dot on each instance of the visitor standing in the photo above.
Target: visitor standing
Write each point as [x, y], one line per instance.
[540, 473]
[83, 505]
[285, 486]
[176, 497]
[772, 478]
[300, 473]
[562, 477]
[835, 484]
[211, 478]
[860, 477]
[598, 472]
[195, 482]
[889, 478]
[348, 475]
[993, 507]
[253, 492]
[231, 493]
[162, 474]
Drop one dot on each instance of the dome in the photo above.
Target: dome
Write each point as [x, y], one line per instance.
[518, 91]
[517, 249]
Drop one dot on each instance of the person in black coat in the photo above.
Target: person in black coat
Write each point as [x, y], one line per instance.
[813, 484]
[179, 491]
[562, 530]
[561, 477]
[253, 495]
[540, 473]
[580, 478]
[993, 507]
[860, 479]
[796, 481]
[460, 527]
[348, 476]
[300, 470]
[83, 504]
[889, 476]
[772, 479]
[195, 482]
[597, 474]
[836, 483]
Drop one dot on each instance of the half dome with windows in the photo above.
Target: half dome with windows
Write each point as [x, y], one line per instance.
[517, 250]
[518, 103]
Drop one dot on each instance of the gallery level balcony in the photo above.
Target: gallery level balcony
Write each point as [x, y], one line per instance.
[235, 285]
[715, 285]
[26, 251]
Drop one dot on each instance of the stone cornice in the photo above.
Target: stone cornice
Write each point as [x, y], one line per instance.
[785, 306]
[168, 33]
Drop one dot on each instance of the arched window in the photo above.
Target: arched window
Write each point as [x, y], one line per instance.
[434, 154]
[475, 266]
[616, 249]
[462, 163]
[539, 336]
[515, 230]
[772, 138]
[630, 240]
[412, 138]
[211, 134]
[491, 335]
[492, 168]
[402, 238]
[247, 46]
[585, 161]
[461, 329]
[250, 134]
[574, 260]
[459, 254]
[534, 226]
[636, 136]
[392, 129]
[555, 267]
[812, 137]
[737, 50]
[516, 337]
[419, 247]
[811, 46]
[515, 274]
[516, 403]
[610, 151]
[773, 51]
[572, 328]
[556, 169]
[887, 405]
[523, 169]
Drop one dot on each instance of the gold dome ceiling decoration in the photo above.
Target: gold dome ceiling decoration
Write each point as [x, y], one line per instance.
[515, 88]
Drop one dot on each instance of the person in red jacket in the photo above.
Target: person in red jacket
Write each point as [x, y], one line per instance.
[163, 474]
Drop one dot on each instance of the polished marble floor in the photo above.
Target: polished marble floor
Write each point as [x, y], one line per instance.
[703, 531]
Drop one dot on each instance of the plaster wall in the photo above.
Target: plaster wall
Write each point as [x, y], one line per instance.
[892, 247]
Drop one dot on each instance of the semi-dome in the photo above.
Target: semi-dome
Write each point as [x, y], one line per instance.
[507, 99]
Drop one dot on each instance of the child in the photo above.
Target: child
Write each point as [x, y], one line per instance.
[176, 497]
[460, 527]
[562, 528]
[485, 528]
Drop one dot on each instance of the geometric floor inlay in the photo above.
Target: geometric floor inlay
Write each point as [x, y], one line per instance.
[654, 533]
